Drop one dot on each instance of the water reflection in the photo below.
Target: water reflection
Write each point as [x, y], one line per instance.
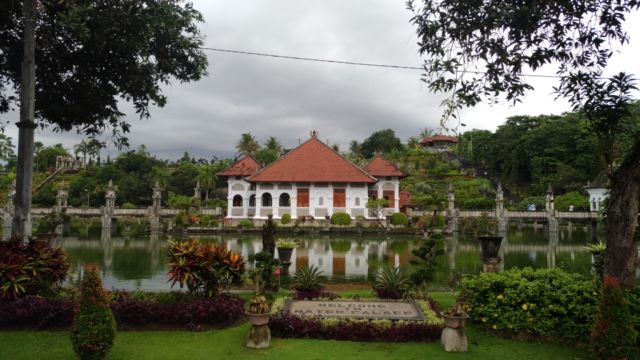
[130, 263]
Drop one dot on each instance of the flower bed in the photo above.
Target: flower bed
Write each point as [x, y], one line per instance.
[129, 309]
[291, 326]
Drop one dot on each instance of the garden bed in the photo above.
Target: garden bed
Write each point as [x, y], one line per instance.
[287, 325]
[173, 310]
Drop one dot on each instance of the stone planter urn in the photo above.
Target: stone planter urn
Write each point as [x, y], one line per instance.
[490, 246]
[259, 336]
[284, 254]
[453, 338]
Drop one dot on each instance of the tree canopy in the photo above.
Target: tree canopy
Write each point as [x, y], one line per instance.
[90, 55]
[482, 50]
[383, 141]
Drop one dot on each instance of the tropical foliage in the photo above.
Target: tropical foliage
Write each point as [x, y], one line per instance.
[203, 268]
[391, 283]
[306, 283]
[34, 268]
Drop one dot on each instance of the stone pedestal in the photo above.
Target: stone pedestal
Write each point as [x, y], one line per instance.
[490, 265]
[259, 337]
[453, 340]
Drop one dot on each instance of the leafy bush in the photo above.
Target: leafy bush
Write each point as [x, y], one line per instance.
[94, 327]
[340, 218]
[30, 268]
[538, 201]
[613, 336]
[245, 224]
[580, 202]
[285, 219]
[36, 311]
[391, 284]
[203, 268]
[306, 283]
[128, 205]
[542, 302]
[399, 219]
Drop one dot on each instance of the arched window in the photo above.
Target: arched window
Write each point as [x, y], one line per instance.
[252, 201]
[237, 201]
[285, 200]
[357, 201]
[320, 201]
[266, 199]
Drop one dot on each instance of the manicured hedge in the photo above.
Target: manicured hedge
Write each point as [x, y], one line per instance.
[173, 309]
[340, 218]
[543, 302]
[399, 219]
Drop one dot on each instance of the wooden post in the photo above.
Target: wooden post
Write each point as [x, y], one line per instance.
[26, 126]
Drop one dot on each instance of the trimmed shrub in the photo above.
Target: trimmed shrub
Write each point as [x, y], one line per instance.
[399, 219]
[340, 218]
[94, 328]
[128, 205]
[285, 219]
[245, 224]
[541, 303]
[30, 268]
[613, 336]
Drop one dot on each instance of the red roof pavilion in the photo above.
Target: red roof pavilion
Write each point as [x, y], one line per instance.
[379, 166]
[246, 166]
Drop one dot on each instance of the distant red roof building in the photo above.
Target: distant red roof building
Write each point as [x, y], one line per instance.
[313, 161]
[246, 166]
[378, 166]
[439, 139]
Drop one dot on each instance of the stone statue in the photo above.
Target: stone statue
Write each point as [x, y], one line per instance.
[268, 232]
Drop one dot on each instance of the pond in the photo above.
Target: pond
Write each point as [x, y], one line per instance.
[131, 263]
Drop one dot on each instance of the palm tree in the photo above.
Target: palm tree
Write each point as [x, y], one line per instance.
[94, 147]
[413, 143]
[82, 148]
[273, 144]
[161, 175]
[37, 147]
[247, 144]
[207, 178]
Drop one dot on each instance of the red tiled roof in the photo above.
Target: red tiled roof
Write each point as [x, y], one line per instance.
[444, 138]
[243, 167]
[378, 166]
[313, 161]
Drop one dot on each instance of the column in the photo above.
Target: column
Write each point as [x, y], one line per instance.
[245, 205]
[396, 198]
[294, 201]
[229, 205]
[275, 201]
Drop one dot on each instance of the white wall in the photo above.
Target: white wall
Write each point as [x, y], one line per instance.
[596, 197]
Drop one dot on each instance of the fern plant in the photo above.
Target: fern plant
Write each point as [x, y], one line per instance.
[306, 283]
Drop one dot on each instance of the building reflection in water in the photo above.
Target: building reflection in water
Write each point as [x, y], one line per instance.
[130, 263]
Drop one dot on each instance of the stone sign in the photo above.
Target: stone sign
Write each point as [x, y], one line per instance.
[391, 310]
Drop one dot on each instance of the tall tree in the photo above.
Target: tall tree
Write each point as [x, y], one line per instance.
[500, 40]
[207, 178]
[82, 148]
[247, 144]
[383, 141]
[7, 150]
[81, 44]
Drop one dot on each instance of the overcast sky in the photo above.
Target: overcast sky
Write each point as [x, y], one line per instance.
[287, 99]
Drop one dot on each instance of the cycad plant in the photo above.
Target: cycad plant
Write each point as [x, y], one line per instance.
[391, 284]
[306, 283]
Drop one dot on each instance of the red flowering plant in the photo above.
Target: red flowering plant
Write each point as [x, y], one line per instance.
[204, 268]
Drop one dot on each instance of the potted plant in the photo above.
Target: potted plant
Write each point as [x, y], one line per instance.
[258, 311]
[490, 246]
[455, 317]
[285, 248]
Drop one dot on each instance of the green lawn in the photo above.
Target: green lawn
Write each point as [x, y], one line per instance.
[229, 343]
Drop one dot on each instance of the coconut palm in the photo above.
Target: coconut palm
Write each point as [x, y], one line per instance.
[413, 143]
[82, 148]
[207, 178]
[247, 144]
[355, 148]
[273, 144]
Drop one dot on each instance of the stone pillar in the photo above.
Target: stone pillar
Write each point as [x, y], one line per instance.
[500, 215]
[245, 206]
[61, 197]
[549, 202]
[396, 198]
[110, 204]
[451, 199]
[156, 208]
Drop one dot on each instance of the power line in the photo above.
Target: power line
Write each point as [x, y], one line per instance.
[344, 62]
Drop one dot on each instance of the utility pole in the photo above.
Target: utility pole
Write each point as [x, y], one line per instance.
[26, 125]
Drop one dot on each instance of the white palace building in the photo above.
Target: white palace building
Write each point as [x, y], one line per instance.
[310, 180]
